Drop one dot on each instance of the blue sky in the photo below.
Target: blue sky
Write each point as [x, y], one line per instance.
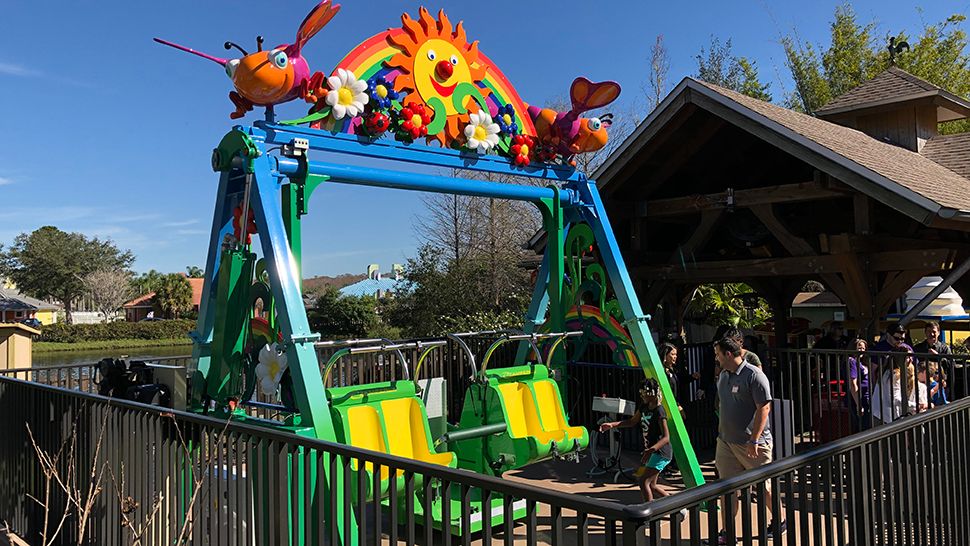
[107, 133]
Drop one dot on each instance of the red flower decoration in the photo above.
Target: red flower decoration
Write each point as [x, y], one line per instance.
[250, 225]
[415, 119]
[376, 123]
[521, 149]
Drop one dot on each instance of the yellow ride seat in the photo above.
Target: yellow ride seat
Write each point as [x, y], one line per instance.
[407, 432]
[550, 408]
[363, 430]
[522, 415]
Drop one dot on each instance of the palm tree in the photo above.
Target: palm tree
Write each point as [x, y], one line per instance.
[729, 303]
[173, 295]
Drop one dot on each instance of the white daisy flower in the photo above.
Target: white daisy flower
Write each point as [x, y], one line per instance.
[269, 371]
[347, 95]
[481, 132]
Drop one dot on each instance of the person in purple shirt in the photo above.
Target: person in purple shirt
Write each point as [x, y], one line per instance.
[894, 336]
[859, 399]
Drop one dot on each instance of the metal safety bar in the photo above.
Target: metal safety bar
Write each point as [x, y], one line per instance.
[458, 338]
[425, 347]
[347, 342]
[385, 346]
[518, 335]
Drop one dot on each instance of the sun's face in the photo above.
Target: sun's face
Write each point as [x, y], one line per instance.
[439, 69]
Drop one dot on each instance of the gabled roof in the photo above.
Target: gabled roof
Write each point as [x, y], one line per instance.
[892, 86]
[13, 300]
[951, 151]
[899, 178]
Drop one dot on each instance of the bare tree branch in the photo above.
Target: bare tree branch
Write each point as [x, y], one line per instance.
[108, 289]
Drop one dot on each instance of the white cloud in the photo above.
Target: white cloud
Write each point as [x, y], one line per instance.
[5, 181]
[11, 69]
[20, 71]
[191, 232]
[182, 223]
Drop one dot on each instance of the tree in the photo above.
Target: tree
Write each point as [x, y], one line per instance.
[656, 88]
[717, 64]
[51, 264]
[849, 61]
[147, 282]
[853, 56]
[194, 272]
[173, 295]
[440, 296]
[335, 316]
[730, 303]
[108, 289]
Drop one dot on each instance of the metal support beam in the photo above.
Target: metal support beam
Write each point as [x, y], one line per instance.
[387, 178]
[594, 213]
[948, 281]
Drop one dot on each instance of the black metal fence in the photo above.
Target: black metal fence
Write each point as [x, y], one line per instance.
[904, 483]
[165, 477]
[820, 387]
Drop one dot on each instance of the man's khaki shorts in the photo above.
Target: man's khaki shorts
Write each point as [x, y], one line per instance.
[732, 459]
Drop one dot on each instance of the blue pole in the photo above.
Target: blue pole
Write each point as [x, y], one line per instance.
[386, 178]
[202, 336]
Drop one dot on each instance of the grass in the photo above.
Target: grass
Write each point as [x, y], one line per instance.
[51, 347]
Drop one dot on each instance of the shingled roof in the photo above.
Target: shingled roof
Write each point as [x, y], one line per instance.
[895, 85]
[882, 170]
[951, 151]
[13, 300]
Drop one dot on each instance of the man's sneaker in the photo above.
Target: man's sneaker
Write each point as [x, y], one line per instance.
[780, 531]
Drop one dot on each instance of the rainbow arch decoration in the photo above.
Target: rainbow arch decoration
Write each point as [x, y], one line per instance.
[598, 327]
[372, 60]
[425, 80]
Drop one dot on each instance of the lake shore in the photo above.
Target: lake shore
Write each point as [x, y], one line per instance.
[42, 347]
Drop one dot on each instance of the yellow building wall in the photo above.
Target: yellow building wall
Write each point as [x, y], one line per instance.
[46, 317]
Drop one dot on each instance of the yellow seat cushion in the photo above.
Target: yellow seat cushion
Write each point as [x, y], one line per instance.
[550, 408]
[364, 431]
[407, 434]
[522, 415]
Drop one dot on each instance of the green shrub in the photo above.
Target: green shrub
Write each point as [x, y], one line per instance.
[74, 333]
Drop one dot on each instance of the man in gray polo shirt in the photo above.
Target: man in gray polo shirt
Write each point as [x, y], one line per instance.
[744, 440]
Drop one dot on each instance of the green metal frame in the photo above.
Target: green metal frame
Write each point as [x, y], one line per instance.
[278, 188]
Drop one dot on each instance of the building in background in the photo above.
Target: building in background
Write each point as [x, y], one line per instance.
[376, 284]
[16, 307]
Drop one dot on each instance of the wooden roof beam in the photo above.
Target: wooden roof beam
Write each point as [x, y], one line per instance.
[783, 193]
[934, 259]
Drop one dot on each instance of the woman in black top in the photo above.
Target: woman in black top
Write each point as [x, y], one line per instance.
[657, 452]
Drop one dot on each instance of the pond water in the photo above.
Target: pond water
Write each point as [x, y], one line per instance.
[82, 357]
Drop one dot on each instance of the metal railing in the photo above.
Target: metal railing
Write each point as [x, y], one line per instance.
[901, 483]
[818, 384]
[182, 478]
[82, 376]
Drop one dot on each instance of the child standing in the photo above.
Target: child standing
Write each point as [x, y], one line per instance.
[657, 452]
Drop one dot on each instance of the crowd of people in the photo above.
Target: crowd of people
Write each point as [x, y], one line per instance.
[884, 382]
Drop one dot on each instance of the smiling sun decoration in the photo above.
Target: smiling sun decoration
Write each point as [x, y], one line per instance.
[439, 70]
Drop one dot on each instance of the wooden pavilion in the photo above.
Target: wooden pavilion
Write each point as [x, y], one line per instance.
[867, 197]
